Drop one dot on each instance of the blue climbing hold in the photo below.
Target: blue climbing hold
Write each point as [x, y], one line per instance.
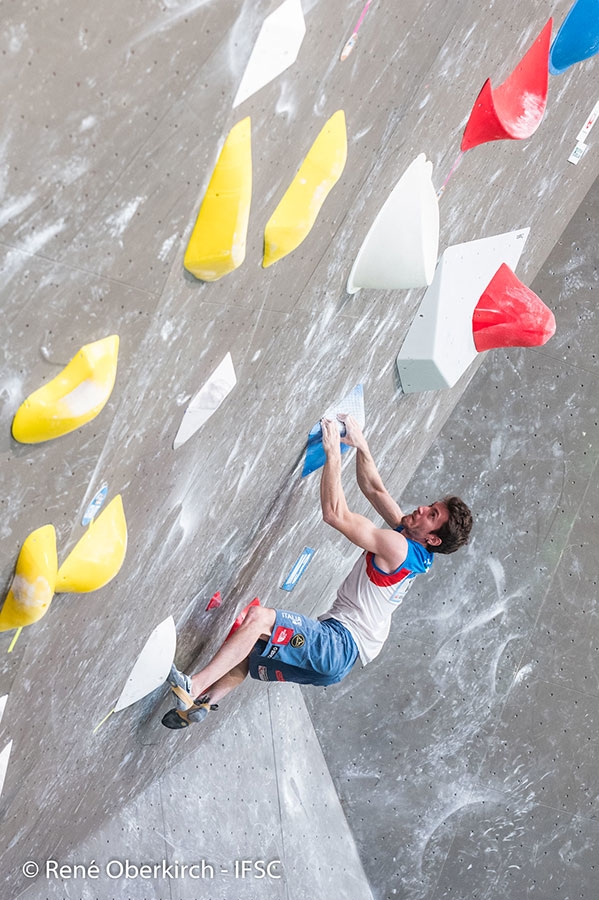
[95, 506]
[353, 404]
[315, 455]
[578, 37]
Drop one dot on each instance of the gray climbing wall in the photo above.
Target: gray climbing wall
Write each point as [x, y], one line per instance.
[466, 755]
[257, 791]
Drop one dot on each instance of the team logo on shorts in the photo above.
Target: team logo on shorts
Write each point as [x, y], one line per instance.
[263, 673]
[298, 640]
[279, 675]
[297, 620]
[282, 635]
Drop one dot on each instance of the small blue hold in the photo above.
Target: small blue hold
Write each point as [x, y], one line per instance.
[95, 506]
[298, 569]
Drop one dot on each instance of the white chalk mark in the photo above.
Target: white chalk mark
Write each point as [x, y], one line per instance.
[498, 573]
[15, 207]
[166, 247]
[84, 398]
[118, 221]
[34, 242]
[523, 673]
[87, 123]
[167, 20]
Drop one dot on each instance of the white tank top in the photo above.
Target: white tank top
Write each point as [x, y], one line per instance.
[368, 598]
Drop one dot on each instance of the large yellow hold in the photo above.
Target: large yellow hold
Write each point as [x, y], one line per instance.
[74, 397]
[32, 587]
[217, 242]
[295, 215]
[99, 555]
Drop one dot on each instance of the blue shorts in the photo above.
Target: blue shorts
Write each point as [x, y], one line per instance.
[304, 651]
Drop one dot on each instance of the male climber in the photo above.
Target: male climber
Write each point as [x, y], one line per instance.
[277, 645]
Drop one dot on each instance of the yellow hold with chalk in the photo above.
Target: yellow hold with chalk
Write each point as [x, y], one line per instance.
[217, 242]
[295, 215]
[75, 396]
[34, 581]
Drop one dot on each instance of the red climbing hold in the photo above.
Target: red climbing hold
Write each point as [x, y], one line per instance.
[509, 314]
[514, 109]
[238, 621]
[214, 601]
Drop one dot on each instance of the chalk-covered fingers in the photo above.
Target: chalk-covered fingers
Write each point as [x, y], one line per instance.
[330, 436]
[353, 437]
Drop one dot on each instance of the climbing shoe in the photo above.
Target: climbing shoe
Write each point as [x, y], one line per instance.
[182, 718]
[180, 680]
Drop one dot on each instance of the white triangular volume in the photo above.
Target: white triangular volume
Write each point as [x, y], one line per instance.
[3, 705]
[439, 346]
[152, 666]
[4, 757]
[400, 249]
[276, 48]
[207, 400]
[352, 404]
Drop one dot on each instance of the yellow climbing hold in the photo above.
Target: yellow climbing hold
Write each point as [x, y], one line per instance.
[74, 397]
[32, 587]
[98, 556]
[217, 242]
[295, 215]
